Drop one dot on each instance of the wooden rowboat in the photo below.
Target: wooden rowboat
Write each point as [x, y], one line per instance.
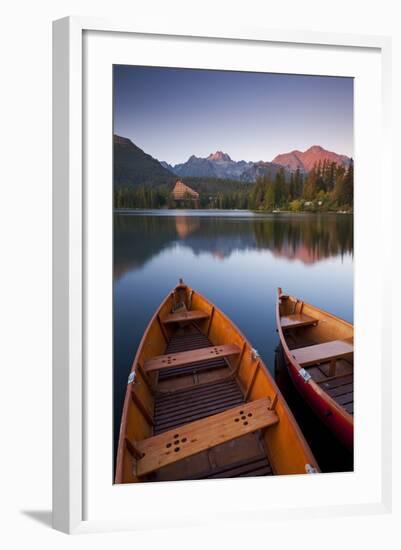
[200, 402]
[318, 349]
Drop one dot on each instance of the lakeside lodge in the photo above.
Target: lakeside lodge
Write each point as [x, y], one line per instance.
[182, 192]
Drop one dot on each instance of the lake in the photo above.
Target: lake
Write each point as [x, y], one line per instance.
[236, 259]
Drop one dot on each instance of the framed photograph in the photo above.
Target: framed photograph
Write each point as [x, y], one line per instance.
[216, 336]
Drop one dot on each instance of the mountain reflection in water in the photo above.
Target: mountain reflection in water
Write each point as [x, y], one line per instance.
[306, 238]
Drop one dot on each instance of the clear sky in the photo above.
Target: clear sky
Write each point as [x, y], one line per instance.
[175, 113]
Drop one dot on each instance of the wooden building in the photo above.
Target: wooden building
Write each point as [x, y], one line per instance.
[182, 192]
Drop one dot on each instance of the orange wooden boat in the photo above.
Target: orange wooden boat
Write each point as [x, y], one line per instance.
[200, 402]
[319, 352]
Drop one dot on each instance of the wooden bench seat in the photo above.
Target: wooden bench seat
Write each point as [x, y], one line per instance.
[198, 436]
[296, 320]
[173, 360]
[335, 381]
[321, 353]
[182, 316]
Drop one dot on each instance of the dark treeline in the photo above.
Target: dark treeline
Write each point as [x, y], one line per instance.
[327, 187]
[213, 193]
[143, 197]
[221, 193]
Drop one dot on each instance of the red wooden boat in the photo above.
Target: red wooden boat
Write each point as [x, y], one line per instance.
[318, 350]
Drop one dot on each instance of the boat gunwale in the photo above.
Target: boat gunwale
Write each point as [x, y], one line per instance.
[123, 423]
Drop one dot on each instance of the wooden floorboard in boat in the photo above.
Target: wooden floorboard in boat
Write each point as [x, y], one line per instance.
[184, 341]
[336, 382]
[342, 391]
[349, 408]
[244, 457]
[345, 399]
[321, 372]
[204, 466]
[175, 398]
[188, 342]
[195, 404]
[258, 466]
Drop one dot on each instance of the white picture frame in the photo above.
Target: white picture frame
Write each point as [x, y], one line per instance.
[70, 285]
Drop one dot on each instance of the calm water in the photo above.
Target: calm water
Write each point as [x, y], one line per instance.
[237, 260]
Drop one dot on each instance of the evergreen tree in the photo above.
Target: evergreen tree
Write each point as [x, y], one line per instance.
[348, 186]
[291, 190]
[298, 184]
[269, 200]
[310, 188]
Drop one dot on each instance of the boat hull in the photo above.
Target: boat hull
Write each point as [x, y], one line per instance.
[333, 416]
[339, 425]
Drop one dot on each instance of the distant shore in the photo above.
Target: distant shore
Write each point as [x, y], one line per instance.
[193, 211]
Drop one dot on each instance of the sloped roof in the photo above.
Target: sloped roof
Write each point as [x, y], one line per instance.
[182, 191]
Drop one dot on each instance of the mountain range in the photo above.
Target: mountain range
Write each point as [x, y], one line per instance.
[306, 160]
[132, 166]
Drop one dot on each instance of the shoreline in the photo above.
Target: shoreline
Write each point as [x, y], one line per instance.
[214, 210]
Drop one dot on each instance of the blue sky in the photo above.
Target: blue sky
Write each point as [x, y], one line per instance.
[174, 113]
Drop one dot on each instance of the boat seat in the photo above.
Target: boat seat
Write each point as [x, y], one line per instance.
[321, 353]
[182, 358]
[296, 320]
[185, 315]
[190, 439]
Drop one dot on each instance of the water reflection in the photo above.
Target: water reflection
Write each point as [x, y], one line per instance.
[237, 260]
[186, 225]
[306, 238]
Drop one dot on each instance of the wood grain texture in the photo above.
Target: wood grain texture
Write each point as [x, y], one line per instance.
[183, 358]
[182, 316]
[193, 438]
[320, 353]
[296, 320]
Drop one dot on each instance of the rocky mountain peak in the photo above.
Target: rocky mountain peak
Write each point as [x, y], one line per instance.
[219, 156]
